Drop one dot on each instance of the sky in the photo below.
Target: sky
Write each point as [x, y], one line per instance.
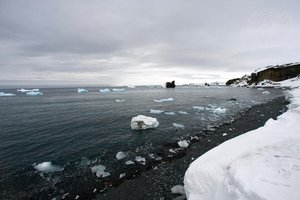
[139, 42]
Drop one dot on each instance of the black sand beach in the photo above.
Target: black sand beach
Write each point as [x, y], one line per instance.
[156, 182]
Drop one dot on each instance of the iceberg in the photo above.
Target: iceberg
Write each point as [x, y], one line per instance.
[143, 122]
[82, 90]
[178, 125]
[47, 167]
[3, 94]
[163, 100]
[156, 111]
[34, 93]
[104, 90]
[118, 89]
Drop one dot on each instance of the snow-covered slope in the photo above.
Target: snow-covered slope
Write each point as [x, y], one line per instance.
[263, 164]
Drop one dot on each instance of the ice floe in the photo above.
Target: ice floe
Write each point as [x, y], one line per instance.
[163, 100]
[118, 89]
[98, 169]
[170, 113]
[82, 90]
[3, 94]
[105, 90]
[120, 155]
[183, 143]
[143, 122]
[176, 125]
[220, 111]
[48, 167]
[140, 159]
[156, 111]
[120, 100]
[34, 93]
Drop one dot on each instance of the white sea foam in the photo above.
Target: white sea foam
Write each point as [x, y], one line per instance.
[163, 100]
[48, 167]
[156, 111]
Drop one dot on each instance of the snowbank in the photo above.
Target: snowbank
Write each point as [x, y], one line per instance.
[47, 167]
[82, 90]
[260, 164]
[3, 94]
[143, 122]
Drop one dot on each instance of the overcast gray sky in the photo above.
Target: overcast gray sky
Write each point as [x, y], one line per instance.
[118, 42]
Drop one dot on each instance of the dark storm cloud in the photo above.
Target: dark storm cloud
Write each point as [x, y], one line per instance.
[136, 42]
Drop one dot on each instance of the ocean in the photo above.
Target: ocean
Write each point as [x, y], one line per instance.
[49, 144]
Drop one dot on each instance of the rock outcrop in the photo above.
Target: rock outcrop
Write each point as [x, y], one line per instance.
[273, 73]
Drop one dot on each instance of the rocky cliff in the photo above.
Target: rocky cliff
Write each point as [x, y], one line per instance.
[273, 73]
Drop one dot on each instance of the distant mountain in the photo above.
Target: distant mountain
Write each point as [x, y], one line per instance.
[271, 73]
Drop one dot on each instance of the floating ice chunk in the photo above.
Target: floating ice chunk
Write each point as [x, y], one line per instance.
[3, 94]
[77, 197]
[105, 174]
[266, 92]
[170, 113]
[224, 134]
[140, 159]
[183, 143]
[220, 111]
[163, 100]
[198, 107]
[82, 90]
[32, 90]
[172, 151]
[178, 125]
[34, 93]
[131, 86]
[120, 155]
[98, 169]
[122, 175]
[129, 162]
[156, 111]
[183, 112]
[143, 122]
[155, 157]
[260, 88]
[104, 90]
[177, 189]
[120, 100]
[118, 89]
[48, 167]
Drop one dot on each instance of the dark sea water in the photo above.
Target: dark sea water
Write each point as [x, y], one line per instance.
[77, 131]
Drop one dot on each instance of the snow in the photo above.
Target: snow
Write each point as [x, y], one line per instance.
[104, 90]
[143, 122]
[262, 164]
[120, 155]
[220, 111]
[82, 90]
[34, 93]
[48, 167]
[118, 89]
[176, 125]
[183, 143]
[3, 94]
[177, 189]
[156, 111]
[163, 100]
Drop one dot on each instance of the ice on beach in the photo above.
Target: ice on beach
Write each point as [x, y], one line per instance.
[98, 169]
[260, 164]
[118, 89]
[170, 113]
[156, 111]
[183, 143]
[129, 162]
[140, 159]
[176, 125]
[3, 94]
[122, 175]
[266, 92]
[105, 90]
[163, 100]
[105, 174]
[30, 90]
[120, 100]
[183, 112]
[82, 90]
[77, 197]
[34, 93]
[177, 189]
[143, 122]
[120, 155]
[48, 167]
[220, 111]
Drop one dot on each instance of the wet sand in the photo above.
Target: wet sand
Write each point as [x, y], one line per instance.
[156, 181]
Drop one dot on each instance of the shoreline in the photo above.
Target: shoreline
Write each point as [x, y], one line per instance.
[156, 183]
